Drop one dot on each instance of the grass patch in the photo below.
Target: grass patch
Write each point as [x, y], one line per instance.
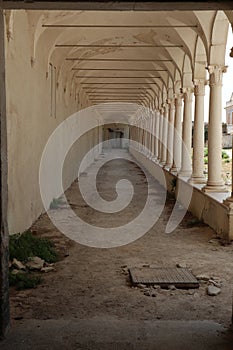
[25, 245]
[23, 280]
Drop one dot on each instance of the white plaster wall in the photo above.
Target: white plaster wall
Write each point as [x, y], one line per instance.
[29, 125]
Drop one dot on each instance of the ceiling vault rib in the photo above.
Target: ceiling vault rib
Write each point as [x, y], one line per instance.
[118, 59]
[121, 69]
[117, 93]
[118, 83]
[114, 77]
[116, 45]
[117, 96]
[119, 88]
[117, 26]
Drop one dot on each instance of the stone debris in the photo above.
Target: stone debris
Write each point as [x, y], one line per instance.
[123, 266]
[48, 264]
[213, 291]
[191, 292]
[47, 269]
[203, 277]
[16, 272]
[171, 287]
[214, 241]
[18, 264]
[147, 293]
[181, 265]
[217, 284]
[156, 286]
[35, 263]
[125, 270]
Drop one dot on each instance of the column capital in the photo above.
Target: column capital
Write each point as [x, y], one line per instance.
[199, 87]
[216, 73]
[165, 108]
[187, 94]
[171, 103]
[178, 99]
[161, 110]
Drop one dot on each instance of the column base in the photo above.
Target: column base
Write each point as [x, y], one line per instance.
[162, 163]
[197, 179]
[214, 188]
[150, 156]
[167, 167]
[174, 170]
[154, 159]
[185, 173]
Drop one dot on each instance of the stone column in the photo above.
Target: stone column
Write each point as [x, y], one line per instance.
[161, 118]
[198, 134]
[152, 134]
[150, 131]
[138, 135]
[147, 135]
[186, 163]
[164, 137]
[177, 142]
[156, 132]
[215, 182]
[170, 134]
[142, 134]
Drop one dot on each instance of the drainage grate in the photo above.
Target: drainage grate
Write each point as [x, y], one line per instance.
[179, 277]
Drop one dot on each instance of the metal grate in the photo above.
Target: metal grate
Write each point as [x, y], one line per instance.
[179, 277]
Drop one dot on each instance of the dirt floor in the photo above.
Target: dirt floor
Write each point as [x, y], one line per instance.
[93, 282]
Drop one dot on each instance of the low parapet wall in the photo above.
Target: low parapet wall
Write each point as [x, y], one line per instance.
[206, 207]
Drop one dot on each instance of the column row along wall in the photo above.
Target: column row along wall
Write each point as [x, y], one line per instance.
[165, 134]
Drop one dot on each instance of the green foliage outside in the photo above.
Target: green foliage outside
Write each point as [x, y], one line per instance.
[225, 156]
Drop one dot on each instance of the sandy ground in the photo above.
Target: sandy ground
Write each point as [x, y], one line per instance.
[93, 282]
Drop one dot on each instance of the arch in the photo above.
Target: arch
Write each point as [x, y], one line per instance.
[200, 61]
[187, 73]
[218, 39]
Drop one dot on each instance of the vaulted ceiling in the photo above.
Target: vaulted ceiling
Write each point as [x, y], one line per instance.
[144, 56]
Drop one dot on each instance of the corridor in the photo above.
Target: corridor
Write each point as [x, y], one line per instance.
[78, 80]
[89, 301]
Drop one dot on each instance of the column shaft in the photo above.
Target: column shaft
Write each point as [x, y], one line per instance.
[198, 134]
[157, 122]
[215, 182]
[160, 133]
[170, 134]
[177, 142]
[186, 164]
[164, 137]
